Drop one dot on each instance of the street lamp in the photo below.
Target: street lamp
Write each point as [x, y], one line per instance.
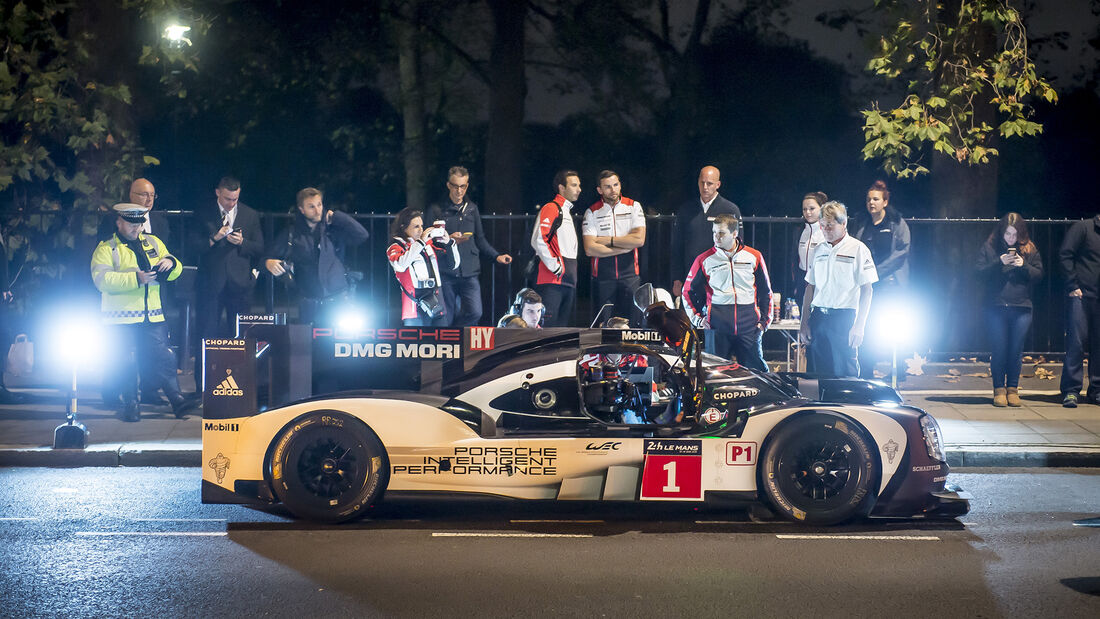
[898, 321]
[77, 340]
[177, 34]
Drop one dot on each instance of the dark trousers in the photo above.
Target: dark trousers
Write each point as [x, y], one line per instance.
[1082, 331]
[142, 345]
[558, 301]
[463, 298]
[620, 293]
[209, 321]
[829, 349]
[1008, 326]
[745, 347]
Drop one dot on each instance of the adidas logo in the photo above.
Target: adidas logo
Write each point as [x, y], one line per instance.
[228, 386]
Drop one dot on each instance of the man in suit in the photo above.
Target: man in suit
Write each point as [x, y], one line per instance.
[230, 241]
[691, 230]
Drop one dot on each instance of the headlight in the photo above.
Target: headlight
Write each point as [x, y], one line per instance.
[932, 437]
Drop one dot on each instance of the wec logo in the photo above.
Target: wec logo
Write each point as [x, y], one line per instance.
[607, 446]
[228, 387]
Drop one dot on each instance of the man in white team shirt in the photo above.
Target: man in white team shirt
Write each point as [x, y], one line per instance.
[612, 231]
[838, 296]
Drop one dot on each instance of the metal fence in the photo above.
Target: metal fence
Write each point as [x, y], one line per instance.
[942, 265]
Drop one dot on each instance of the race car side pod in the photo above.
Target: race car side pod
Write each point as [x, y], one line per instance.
[846, 390]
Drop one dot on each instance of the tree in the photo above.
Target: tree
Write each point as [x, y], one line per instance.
[969, 81]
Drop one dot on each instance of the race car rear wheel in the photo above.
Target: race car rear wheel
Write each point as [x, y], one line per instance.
[819, 469]
[328, 467]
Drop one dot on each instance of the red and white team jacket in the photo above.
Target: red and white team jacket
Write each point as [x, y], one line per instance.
[416, 266]
[555, 241]
[602, 219]
[729, 288]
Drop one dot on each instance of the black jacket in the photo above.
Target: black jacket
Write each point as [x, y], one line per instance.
[318, 254]
[1080, 257]
[463, 218]
[1008, 285]
[692, 233]
[223, 263]
[889, 247]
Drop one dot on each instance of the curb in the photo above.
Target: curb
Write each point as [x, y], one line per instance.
[1024, 457]
[154, 455]
[102, 455]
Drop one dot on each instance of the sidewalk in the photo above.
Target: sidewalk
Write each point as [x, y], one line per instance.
[1041, 433]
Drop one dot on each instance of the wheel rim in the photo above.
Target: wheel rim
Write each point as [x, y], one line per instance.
[819, 469]
[328, 468]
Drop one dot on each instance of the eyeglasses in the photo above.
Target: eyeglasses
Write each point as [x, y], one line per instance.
[454, 186]
[145, 195]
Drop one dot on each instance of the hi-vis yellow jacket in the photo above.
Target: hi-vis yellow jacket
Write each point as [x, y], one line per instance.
[114, 271]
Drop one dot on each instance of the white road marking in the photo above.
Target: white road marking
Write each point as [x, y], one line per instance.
[917, 538]
[556, 521]
[151, 533]
[509, 535]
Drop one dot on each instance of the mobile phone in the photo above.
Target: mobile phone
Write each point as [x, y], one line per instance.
[1012, 250]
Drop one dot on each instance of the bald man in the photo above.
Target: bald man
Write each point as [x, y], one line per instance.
[142, 192]
[691, 230]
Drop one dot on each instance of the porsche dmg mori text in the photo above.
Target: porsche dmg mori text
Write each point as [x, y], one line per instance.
[398, 351]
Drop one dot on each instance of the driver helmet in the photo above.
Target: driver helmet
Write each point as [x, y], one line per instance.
[511, 321]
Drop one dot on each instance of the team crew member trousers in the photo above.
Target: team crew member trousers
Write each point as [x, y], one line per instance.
[149, 340]
[829, 349]
[463, 298]
[741, 341]
[558, 300]
[1082, 329]
[619, 292]
[1008, 326]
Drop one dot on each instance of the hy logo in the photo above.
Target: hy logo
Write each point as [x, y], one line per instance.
[481, 338]
[228, 386]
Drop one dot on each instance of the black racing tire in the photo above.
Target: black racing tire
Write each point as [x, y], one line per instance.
[820, 469]
[328, 467]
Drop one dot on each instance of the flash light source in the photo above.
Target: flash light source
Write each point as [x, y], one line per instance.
[177, 34]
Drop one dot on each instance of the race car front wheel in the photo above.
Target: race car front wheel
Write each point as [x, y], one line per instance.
[328, 467]
[819, 469]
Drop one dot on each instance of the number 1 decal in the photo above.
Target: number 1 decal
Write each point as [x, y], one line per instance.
[673, 469]
[670, 486]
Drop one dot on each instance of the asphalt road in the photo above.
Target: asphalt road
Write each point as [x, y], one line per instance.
[129, 541]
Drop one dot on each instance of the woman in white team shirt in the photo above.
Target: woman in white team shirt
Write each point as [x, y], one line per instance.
[809, 238]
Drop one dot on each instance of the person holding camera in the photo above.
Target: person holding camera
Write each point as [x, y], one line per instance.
[419, 257]
[310, 253]
[1010, 265]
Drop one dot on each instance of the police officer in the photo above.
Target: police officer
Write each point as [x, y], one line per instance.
[838, 295]
[127, 269]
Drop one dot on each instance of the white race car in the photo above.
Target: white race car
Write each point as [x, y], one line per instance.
[567, 415]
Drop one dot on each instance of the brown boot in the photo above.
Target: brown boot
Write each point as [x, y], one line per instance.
[999, 397]
[1013, 396]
